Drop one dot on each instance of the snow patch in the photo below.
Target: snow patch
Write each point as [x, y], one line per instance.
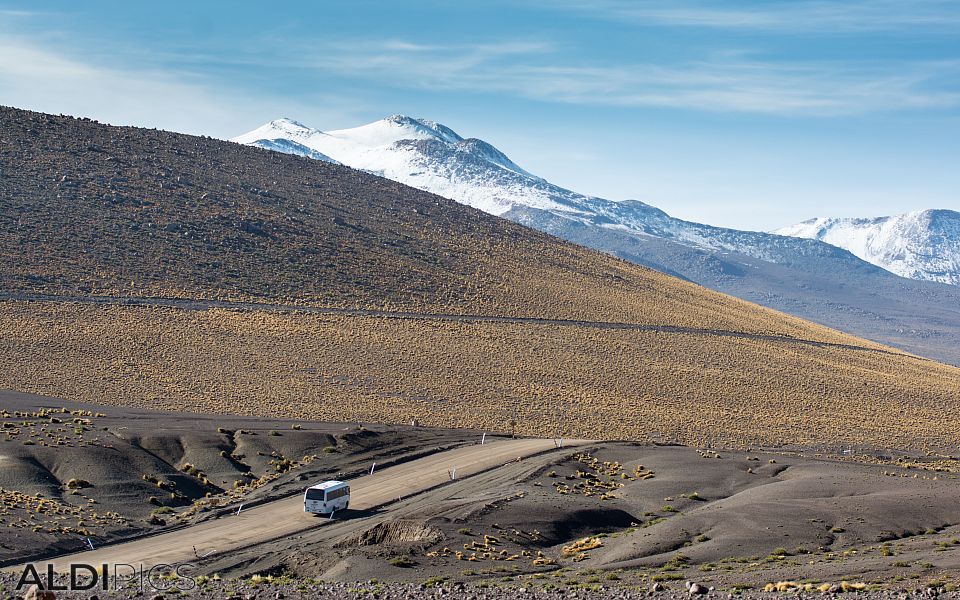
[923, 244]
[430, 156]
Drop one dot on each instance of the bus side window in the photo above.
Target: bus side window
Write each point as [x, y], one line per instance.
[340, 493]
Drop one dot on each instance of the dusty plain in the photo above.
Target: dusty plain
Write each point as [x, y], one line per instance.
[620, 515]
[224, 324]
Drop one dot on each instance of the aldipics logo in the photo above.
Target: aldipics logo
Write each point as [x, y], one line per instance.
[83, 577]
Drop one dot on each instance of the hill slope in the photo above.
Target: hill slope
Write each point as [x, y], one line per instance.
[93, 209]
[804, 277]
[572, 340]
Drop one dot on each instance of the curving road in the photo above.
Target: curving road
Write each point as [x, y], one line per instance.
[286, 517]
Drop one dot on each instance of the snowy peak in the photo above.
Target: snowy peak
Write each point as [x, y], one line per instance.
[394, 129]
[277, 129]
[427, 155]
[922, 244]
[423, 154]
[424, 127]
[430, 156]
[287, 136]
[289, 124]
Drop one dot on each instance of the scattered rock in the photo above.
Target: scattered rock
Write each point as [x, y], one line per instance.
[36, 593]
[695, 589]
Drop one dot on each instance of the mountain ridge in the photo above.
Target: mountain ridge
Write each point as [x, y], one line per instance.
[89, 211]
[208, 219]
[808, 278]
[923, 244]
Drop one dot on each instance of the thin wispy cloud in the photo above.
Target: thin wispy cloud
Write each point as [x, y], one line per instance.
[550, 81]
[732, 83]
[529, 69]
[800, 16]
[42, 79]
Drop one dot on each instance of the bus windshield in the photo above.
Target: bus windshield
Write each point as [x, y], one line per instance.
[314, 494]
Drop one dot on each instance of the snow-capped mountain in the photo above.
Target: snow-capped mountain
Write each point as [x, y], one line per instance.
[920, 245]
[805, 277]
[432, 157]
[283, 135]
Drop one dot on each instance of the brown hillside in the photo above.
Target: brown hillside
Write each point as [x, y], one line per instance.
[93, 210]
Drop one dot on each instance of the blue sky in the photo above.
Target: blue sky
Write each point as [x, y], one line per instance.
[746, 114]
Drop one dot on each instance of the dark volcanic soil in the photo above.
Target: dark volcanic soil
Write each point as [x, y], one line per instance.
[72, 471]
[279, 589]
[613, 515]
[650, 515]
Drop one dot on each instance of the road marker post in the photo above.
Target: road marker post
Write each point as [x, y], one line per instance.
[239, 508]
[90, 543]
[372, 467]
[483, 439]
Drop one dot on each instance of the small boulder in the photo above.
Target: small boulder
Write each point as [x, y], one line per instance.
[695, 589]
[35, 592]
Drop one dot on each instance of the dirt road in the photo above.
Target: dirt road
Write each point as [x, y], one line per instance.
[286, 517]
[199, 304]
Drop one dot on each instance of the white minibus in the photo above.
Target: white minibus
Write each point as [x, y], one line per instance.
[326, 498]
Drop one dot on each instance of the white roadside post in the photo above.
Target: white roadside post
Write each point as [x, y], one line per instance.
[372, 467]
[483, 439]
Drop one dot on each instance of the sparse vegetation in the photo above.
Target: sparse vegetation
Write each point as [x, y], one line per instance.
[577, 551]
[287, 230]
[404, 562]
[394, 345]
[21, 511]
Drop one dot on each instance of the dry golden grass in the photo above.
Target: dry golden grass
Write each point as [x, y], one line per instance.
[50, 516]
[552, 380]
[90, 209]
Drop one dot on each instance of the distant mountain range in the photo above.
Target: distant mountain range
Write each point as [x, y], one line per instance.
[146, 268]
[920, 245]
[809, 278]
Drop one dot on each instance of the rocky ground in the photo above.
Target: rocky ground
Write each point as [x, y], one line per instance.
[72, 472]
[296, 590]
[618, 515]
[627, 515]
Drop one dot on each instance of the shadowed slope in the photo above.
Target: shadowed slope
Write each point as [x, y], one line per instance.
[88, 210]
[93, 209]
